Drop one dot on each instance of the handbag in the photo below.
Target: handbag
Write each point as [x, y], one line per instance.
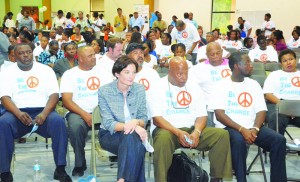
[184, 169]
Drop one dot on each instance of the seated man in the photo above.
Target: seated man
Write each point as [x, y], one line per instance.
[283, 85]
[30, 96]
[209, 73]
[178, 110]
[79, 87]
[262, 52]
[240, 108]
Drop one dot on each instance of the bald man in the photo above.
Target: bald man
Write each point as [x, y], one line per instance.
[208, 73]
[79, 87]
[179, 110]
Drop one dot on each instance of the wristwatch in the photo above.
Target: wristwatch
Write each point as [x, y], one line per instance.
[256, 128]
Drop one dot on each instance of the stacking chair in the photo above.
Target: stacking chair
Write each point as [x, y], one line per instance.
[272, 66]
[258, 66]
[258, 72]
[288, 108]
[259, 78]
[231, 50]
[260, 155]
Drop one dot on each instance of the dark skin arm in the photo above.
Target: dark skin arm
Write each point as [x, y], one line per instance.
[23, 116]
[200, 124]
[248, 134]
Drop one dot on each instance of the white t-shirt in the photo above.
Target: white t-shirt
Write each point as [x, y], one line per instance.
[97, 22]
[284, 85]
[293, 44]
[180, 106]
[232, 44]
[207, 77]
[19, 17]
[158, 45]
[28, 88]
[247, 26]
[84, 85]
[164, 51]
[268, 25]
[59, 22]
[187, 36]
[240, 100]
[269, 54]
[201, 54]
[152, 62]
[149, 78]
[10, 23]
[5, 65]
[106, 64]
[69, 23]
[38, 50]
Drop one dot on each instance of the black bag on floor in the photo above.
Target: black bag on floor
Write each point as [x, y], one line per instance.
[184, 169]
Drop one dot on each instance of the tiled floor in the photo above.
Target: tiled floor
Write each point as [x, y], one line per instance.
[25, 158]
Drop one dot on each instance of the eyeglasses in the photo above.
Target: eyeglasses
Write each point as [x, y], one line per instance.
[171, 97]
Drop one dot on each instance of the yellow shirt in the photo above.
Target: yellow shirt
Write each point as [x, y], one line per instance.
[121, 23]
[160, 24]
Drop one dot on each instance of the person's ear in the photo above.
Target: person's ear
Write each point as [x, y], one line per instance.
[117, 75]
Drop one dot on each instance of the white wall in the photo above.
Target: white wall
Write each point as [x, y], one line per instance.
[200, 8]
[110, 8]
[285, 14]
[72, 6]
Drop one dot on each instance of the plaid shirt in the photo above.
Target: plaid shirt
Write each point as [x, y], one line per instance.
[46, 58]
[111, 103]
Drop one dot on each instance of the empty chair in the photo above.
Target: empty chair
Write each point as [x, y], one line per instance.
[273, 66]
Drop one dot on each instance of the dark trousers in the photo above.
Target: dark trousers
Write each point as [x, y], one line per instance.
[130, 152]
[267, 139]
[283, 121]
[11, 128]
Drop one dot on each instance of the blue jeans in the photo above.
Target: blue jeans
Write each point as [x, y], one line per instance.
[11, 128]
[130, 152]
[267, 139]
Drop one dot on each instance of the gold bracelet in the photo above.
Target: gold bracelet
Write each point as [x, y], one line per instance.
[240, 129]
[198, 131]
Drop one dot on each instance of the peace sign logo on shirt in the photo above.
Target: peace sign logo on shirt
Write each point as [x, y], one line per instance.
[93, 83]
[245, 99]
[145, 82]
[295, 44]
[263, 57]
[32, 82]
[296, 81]
[234, 44]
[184, 98]
[225, 73]
[268, 25]
[185, 35]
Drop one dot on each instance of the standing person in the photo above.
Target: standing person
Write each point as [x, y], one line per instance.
[245, 27]
[120, 24]
[174, 20]
[175, 118]
[80, 98]
[187, 34]
[30, 96]
[282, 85]
[202, 40]
[69, 21]
[101, 16]
[191, 18]
[20, 15]
[4, 43]
[27, 21]
[241, 109]
[59, 20]
[160, 23]
[97, 24]
[124, 115]
[9, 22]
[82, 21]
[35, 17]
[137, 20]
[268, 26]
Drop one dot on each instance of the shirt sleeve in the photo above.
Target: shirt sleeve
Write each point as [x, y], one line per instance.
[269, 84]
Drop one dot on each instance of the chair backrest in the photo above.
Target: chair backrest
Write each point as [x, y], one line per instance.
[96, 117]
[258, 66]
[289, 107]
[259, 78]
[258, 72]
[231, 50]
[273, 66]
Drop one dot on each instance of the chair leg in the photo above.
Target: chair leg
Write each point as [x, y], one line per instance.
[289, 135]
[46, 143]
[149, 164]
[68, 159]
[262, 164]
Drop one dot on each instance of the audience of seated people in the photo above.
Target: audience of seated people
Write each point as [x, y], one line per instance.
[74, 55]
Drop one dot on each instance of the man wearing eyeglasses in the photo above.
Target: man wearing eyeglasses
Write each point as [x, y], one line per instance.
[29, 93]
[178, 109]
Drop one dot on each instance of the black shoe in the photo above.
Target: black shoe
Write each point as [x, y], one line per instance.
[113, 158]
[6, 177]
[79, 171]
[62, 176]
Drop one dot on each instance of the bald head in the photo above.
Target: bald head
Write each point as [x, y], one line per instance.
[214, 53]
[178, 71]
[86, 58]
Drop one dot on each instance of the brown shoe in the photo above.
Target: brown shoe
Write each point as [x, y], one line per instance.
[216, 180]
[22, 140]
